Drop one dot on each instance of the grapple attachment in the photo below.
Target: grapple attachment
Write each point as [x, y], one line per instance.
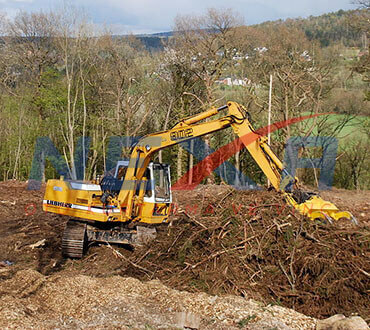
[317, 208]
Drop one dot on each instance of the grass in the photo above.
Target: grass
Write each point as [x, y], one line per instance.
[354, 129]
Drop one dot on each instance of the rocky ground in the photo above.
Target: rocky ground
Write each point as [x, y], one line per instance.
[228, 260]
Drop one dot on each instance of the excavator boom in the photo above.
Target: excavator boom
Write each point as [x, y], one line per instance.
[309, 204]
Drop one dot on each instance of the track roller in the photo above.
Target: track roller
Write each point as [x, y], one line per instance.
[74, 240]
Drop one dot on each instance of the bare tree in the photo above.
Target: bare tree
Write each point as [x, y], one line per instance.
[204, 45]
[75, 42]
[121, 81]
[362, 3]
[208, 42]
[27, 52]
[302, 77]
[360, 21]
[30, 40]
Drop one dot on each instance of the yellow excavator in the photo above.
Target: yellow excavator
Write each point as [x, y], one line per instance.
[123, 207]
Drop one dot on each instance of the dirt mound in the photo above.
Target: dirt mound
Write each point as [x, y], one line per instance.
[30, 299]
[220, 241]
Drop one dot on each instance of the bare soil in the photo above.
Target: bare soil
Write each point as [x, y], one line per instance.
[220, 242]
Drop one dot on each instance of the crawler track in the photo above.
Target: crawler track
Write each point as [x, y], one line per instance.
[74, 240]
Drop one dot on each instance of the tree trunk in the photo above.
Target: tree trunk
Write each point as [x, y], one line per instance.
[237, 166]
[208, 165]
[287, 113]
[191, 161]
[179, 162]
[165, 128]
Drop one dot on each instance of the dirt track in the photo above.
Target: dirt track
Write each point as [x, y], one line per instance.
[188, 243]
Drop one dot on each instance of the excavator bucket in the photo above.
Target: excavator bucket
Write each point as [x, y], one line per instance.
[317, 208]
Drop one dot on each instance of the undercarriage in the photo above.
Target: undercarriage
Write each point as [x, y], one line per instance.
[79, 235]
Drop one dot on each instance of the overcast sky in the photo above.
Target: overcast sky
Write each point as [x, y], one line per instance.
[149, 16]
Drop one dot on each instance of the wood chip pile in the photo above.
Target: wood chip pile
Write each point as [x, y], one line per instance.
[32, 300]
[253, 245]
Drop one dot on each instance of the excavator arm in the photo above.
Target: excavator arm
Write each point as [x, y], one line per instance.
[309, 204]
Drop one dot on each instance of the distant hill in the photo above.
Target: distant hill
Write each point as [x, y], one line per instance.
[164, 34]
[152, 42]
[327, 29]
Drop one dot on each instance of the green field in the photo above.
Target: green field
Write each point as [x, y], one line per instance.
[342, 127]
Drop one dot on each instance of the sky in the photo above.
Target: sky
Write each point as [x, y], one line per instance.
[151, 16]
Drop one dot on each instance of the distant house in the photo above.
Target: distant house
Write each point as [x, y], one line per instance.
[305, 55]
[233, 81]
[261, 49]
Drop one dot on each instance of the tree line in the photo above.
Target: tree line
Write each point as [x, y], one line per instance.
[62, 79]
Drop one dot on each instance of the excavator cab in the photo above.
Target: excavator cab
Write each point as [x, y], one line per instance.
[158, 187]
[157, 181]
[152, 193]
[155, 204]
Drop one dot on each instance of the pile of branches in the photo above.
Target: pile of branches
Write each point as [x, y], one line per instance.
[252, 244]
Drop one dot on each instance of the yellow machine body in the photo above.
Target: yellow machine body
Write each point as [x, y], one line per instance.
[85, 206]
[82, 200]
[318, 208]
